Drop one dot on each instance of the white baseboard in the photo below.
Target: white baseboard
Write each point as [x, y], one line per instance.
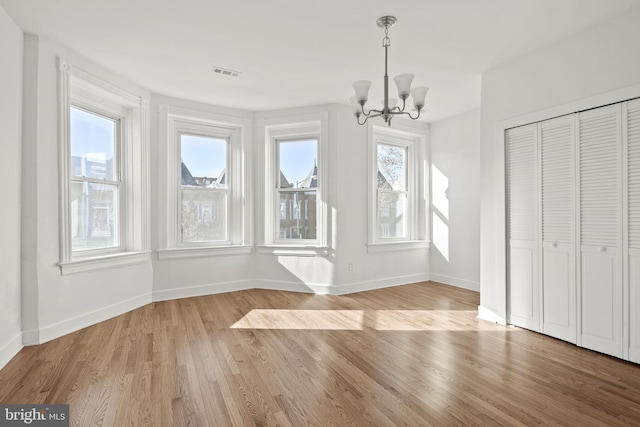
[200, 290]
[9, 349]
[56, 330]
[490, 315]
[370, 285]
[279, 285]
[456, 281]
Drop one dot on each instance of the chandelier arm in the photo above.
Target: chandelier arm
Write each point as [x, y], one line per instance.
[365, 114]
[368, 117]
[372, 113]
[410, 116]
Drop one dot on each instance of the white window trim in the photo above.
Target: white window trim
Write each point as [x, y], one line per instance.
[175, 121]
[311, 126]
[74, 83]
[415, 139]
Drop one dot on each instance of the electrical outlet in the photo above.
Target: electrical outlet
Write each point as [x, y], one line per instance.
[350, 266]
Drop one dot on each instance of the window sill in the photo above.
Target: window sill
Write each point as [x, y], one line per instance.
[103, 262]
[398, 246]
[181, 253]
[284, 250]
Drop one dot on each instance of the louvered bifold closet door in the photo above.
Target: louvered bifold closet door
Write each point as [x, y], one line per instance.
[632, 131]
[600, 229]
[558, 224]
[524, 301]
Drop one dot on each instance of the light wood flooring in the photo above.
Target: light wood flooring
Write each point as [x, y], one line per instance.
[406, 356]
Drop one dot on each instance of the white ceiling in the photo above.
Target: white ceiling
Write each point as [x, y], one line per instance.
[296, 52]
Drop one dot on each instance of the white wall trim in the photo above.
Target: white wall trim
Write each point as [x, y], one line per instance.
[10, 349]
[173, 121]
[280, 285]
[370, 285]
[377, 247]
[600, 100]
[67, 326]
[490, 315]
[456, 281]
[415, 142]
[202, 290]
[104, 262]
[195, 252]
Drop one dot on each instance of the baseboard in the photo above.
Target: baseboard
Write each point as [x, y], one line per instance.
[456, 281]
[279, 285]
[490, 315]
[200, 290]
[56, 330]
[370, 285]
[10, 349]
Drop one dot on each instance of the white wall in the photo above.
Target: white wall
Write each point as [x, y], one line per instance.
[578, 72]
[455, 195]
[10, 171]
[54, 305]
[350, 194]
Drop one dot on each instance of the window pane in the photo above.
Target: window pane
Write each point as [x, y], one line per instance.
[203, 161]
[392, 221]
[204, 216]
[297, 215]
[94, 216]
[92, 145]
[392, 167]
[298, 166]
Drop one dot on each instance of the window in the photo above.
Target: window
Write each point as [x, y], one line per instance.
[207, 210]
[103, 167]
[398, 201]
[95, 184]
[203, 189]
[297, 187]
[294, 186]
[393, 192]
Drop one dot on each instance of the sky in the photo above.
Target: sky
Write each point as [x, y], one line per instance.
[204, 156]
[297, 159]
[92, 137]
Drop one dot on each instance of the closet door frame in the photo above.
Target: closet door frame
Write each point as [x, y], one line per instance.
[631, 255]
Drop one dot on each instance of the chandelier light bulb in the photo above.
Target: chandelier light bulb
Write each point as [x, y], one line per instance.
[362, 90]
[403, 81]
[419, 94]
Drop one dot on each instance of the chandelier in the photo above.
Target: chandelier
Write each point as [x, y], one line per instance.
[403, 81]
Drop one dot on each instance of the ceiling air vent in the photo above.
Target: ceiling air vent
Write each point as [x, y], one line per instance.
[226, 72]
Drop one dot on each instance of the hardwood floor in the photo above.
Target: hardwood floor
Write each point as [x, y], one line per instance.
[411, 355]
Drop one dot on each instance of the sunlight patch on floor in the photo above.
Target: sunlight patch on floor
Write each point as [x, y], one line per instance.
[381, 320]
[301, 319]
